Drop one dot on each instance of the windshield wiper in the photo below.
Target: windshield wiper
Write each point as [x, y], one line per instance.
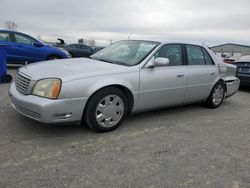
[106, 60]
[109, 61]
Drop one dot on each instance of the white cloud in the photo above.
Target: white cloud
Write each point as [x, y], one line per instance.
[201, 20]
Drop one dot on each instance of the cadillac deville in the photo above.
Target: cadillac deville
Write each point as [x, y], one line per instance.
[125, 78]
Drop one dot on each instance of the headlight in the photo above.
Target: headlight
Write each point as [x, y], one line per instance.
[48, 88]
[65, 51]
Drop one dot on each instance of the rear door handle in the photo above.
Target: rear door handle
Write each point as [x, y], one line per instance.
[212, 73]
[180, 75]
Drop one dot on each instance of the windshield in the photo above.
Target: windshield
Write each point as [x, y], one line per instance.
[127, 53]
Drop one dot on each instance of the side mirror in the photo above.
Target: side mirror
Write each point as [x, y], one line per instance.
[157, 62]
[38, 44]
[161, 61]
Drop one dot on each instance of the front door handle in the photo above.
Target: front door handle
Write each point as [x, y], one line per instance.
[212, 73]
[180, 75]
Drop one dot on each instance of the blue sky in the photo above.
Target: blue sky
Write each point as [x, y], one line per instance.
[209, 21]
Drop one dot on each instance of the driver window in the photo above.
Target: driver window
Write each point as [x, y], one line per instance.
[23, 40]
[172, 52]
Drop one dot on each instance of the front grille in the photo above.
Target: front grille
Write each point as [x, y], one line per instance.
[244, 70]
[22, 83]
[243, 67]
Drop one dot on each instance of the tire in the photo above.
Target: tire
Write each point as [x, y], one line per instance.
[217, 95]
[53, 57]
[106, 109]
[72, 55]
[7, 78]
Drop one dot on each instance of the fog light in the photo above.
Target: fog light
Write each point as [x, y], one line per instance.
[63, 115]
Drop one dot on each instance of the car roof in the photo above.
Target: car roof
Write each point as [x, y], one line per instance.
[77, 43]
[16, 32]
[171, 42]
[8, 31]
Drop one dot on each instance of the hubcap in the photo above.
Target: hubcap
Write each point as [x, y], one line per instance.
[109, 111]
[218, 94]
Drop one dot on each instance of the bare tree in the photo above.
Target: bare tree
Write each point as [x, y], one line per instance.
[10, 25]
[88, 41]
[81, 41]
[92, 42]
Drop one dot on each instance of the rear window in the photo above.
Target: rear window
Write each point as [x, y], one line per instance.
[5, 37]
[208, 58]
[195, 55]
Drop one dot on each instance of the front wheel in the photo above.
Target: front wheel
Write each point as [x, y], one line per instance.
[6, 78]
[53, 57]
[217, 95]
[106, 109]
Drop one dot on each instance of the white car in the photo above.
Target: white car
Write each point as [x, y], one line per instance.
[124, 78]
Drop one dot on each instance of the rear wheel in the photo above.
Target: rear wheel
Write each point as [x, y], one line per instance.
[217, 95]
[106, 109]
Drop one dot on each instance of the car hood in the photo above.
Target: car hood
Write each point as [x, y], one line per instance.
[69, 69]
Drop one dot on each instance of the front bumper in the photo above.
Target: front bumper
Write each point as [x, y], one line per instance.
[244, 79]
[47, 110]
[232, 87]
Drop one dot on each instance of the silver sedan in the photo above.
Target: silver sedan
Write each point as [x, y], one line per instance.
[125, 78]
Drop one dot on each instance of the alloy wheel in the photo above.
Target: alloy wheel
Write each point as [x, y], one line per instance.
[109, 111]
[218, 94]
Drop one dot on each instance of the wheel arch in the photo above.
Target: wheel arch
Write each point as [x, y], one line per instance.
[225, 85]
[121, 87]
[55, 55]
[219, 80]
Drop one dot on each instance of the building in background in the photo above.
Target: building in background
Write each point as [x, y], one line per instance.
[231, 50]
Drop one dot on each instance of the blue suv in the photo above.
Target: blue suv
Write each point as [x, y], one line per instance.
[24, 48]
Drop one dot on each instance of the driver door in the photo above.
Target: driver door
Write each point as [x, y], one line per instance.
[24, 49]
[164, 85]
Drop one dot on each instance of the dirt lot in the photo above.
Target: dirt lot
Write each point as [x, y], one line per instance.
[190, 146]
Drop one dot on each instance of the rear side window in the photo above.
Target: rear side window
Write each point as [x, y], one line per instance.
[23, 40]
[208, 58]
[5, 37]
[86, 48]
[78, 46]
[173, 52]
[195, 55]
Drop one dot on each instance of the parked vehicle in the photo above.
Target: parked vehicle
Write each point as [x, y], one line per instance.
[225, 58]
[4, 77]
[59, 44]
[97, 48]
[24, 48]
[243, 70]
[124, 78]
[79, 50]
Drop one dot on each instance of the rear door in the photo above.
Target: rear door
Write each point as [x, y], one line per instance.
[201, 73]
[87, 50]
[165, 85]
[7, 39]
[78, 50]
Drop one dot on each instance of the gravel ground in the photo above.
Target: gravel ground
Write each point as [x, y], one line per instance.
[190, 146]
